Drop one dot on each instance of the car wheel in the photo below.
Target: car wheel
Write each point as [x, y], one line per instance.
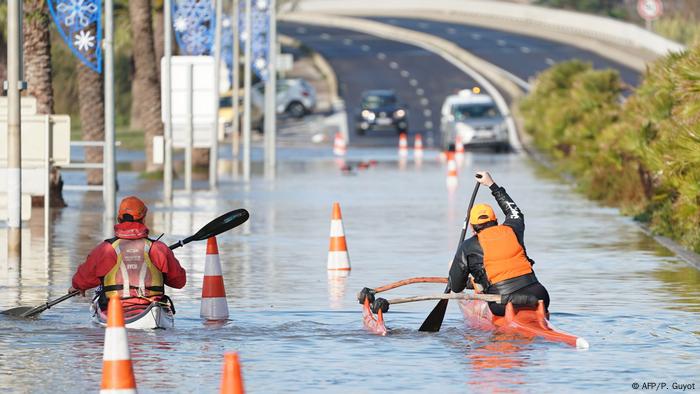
[296, 109]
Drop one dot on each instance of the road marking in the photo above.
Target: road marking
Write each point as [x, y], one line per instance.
[476, 36]
[394, 65]
[428, 125]
[549, 61]
[301, 30]
[413, 82]
[381, 56]
[365, 47]
[427, 112]
[501, 43]
[420, 91]
[424, 102]
[423, 25]
[347, 41]
[525, 50]
[451, 30]
[405, 73]
[325, 36]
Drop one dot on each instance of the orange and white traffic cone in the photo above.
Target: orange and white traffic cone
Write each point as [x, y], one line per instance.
[338, 257]
[231, 379]
[452, 179]
[418, 146]
[403, 145]
[339, 145]
[459, 150]
[117, 371]
[214, 305]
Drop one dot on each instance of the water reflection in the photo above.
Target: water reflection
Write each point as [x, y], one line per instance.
[337, 283]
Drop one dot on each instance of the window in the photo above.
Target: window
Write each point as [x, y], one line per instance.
[472, 111]
[376, 101]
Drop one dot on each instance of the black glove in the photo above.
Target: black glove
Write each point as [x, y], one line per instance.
[366, 293]
[380, 304]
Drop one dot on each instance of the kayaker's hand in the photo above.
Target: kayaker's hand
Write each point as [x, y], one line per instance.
[366, 293]
[82, 292]
[485, 179]
[380, 304]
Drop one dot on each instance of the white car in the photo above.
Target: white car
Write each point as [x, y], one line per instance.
[295, 97]
[476, 119]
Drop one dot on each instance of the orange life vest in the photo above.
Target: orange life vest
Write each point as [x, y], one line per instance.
[134, 275]
[504, 257]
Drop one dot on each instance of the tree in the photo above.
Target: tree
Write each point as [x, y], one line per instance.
[37, 71]
[146, 87]
[92, 116]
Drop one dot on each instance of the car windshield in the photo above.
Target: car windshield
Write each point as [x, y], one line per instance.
[376, 101]
[472, 111]
[225, 101]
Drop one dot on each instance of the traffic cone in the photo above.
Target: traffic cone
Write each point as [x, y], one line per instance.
[214, 305]
[117, 371]
[418, 146]
[403, 145]
[339, 145]
[338, 257]
[451, 174]
[459, 150]
[231, 379]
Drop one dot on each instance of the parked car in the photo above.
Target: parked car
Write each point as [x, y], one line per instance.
[226, 114]
[476, 119]
[295, 97]
[380, 109]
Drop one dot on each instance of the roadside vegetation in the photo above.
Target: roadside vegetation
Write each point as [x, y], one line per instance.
[642, 153]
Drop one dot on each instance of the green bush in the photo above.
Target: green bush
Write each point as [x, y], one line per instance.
[643, 155]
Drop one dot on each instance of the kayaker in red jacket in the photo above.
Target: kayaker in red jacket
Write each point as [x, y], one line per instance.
[495, 257]
[130, 264]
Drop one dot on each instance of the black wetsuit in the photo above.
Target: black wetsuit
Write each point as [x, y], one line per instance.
[470, 260]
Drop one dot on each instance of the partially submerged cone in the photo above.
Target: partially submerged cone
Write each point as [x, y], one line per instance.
[338, 257]
[418, 146]
[214, 305]
[339, 145]
[452, 178]
[117, 371]
[403, 145]
[231, 378]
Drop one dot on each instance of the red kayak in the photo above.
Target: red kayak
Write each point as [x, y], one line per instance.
[528, 322]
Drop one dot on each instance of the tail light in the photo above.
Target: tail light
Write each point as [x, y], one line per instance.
[305, 93]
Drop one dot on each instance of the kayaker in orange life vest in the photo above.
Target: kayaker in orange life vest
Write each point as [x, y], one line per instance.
[130, 264]
[495, 256]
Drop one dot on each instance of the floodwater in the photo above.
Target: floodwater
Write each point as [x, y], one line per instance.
[297, 329]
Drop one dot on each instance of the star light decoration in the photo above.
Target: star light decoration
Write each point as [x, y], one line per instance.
[194, 23]
[259, 31]
[80, 24]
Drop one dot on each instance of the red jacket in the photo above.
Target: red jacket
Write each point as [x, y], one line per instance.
[103, 258]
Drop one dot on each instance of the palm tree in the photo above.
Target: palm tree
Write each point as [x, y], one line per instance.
[37, 69]
[146, 87]
[158, 32]
[92, 117]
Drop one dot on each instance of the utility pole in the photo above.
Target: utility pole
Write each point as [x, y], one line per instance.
[271, 94]
[14, 128]
[214, 153]
[246, 86]
[235, 125]
[167, 103]
[109, 170]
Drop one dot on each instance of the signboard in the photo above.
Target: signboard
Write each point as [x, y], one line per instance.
[203, 99]
[650, 9]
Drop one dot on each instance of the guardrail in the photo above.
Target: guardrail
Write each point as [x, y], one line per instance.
[592, 26]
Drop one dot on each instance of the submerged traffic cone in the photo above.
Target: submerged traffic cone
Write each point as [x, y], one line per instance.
[231, 379]
[339, 145]
[403, 145]
[338, 257]
[459, 150]
[117, 371]
[451, 174]
[214, 305]
[418, 146]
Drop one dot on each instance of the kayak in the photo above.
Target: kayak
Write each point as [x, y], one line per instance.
[152, 316]
[528, 322]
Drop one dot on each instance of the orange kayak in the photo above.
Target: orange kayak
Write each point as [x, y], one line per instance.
[375, 325]
[528, 322]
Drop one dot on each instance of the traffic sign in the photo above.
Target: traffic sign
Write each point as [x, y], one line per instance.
[650, 9]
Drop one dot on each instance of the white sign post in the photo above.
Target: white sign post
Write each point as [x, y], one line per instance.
[650, 10]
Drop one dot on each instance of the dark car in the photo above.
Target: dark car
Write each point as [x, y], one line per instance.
[380, 109]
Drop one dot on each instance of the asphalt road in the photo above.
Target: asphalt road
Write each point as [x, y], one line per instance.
[420, 78]
[521, 55]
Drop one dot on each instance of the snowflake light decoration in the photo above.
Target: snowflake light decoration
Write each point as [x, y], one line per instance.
[259, 32]
[80, 24]
[194, 23]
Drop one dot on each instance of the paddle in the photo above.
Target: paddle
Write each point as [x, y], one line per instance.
[434, 320]
[217, 226]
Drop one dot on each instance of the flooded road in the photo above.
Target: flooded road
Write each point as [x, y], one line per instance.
[297, 329]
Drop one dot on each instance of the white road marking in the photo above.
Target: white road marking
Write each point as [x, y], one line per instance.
[365, 47]
[381, 56]
[451, 30]
[501, 43]
[394, 65]
[428, 125]
[549, 61]
[347, 41]
[525, 50]
[420, 91]
[427, 112]
[413, 82]
[476, 36]
[325, 36]
[405, 73]
[301, 30]
[424, 102]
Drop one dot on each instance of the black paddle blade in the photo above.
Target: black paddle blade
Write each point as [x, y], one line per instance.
[433, 322]
[17, 312]
[222, 224]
